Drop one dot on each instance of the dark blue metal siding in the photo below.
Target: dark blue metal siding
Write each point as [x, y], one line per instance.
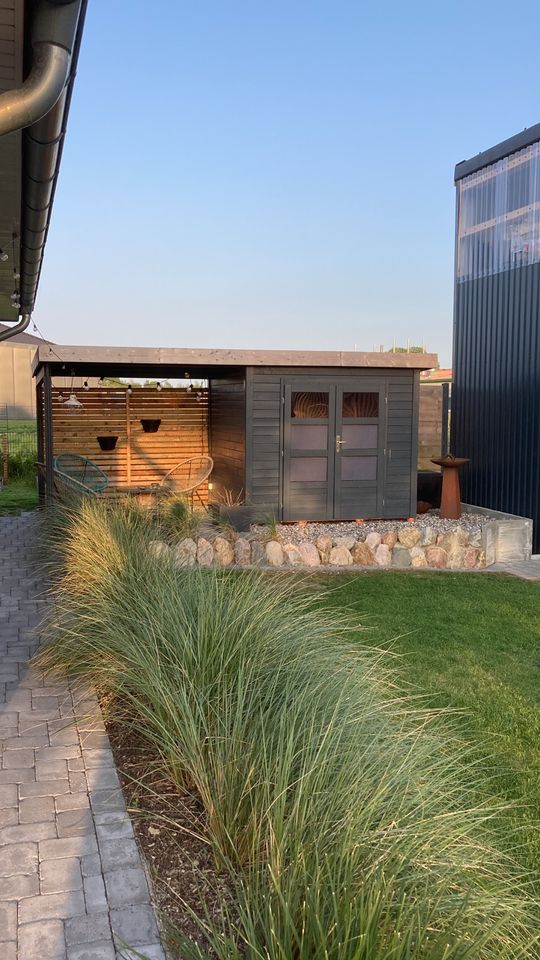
[496, 391]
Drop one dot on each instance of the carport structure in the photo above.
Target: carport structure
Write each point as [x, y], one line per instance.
[318, 435]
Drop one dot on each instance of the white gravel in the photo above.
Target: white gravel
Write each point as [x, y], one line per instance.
[296, 533]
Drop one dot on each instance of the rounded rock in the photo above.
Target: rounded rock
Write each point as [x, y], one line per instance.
[292, 552]
[400, 556]
[436, 557]
[373, 540]
[274, 553]
[340, 557]
[205, 552]
[409, 536]
[185, 552]
[310, 554]
[363, 554]
[242, 552]
[389, 539]
[418, 557]
[383, 555]
[324, 546]
[159, 550]
[223, 552]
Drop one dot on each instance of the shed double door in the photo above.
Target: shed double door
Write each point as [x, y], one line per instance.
[333, 448]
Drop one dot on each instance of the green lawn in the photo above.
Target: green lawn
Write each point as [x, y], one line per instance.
[471, 642]
[16, 496]
[17, 425]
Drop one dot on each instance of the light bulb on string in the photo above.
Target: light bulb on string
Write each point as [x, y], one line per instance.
[73, 404]
[158, 386]
[86, 385]
[3, 255]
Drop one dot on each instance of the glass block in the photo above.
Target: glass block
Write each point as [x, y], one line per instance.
[309, 405]
[360, 405]
[307, 437]
[309, 469]
[359, 468]
[360, 436]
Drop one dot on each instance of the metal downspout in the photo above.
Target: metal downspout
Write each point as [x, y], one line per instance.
[53, 34]
[20, 327]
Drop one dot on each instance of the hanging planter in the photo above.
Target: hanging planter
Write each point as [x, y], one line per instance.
[150, 426]
[107, 443]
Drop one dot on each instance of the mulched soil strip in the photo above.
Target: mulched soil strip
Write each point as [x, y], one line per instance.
[170, 829]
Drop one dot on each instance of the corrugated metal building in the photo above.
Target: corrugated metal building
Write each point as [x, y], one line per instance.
[496, 392]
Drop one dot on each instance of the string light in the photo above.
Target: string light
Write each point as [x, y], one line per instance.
[3, 255]
[72, 404]
[129, 390]
[158, 386]
[85, 385]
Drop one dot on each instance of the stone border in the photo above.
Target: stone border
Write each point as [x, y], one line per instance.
[407, 546]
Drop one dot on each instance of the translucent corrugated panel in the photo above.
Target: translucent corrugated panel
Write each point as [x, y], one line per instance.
[499, 216]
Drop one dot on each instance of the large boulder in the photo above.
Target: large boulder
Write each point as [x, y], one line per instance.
[471, 557]
[340, 557]
[242, 552]
[310, 554]
[363, 554]
[185, 552]
[223, 552]
[373, 540]
[347, 542]
[159, 550]
[292, 552]
[409, 536]
[436, 557]
[205, 552]
[324, 546]
[453, 539]
[389, 539]
[418, 557]
[400, 556]
[428, 536]
[274, 554]
[383, 555]
[258, 552]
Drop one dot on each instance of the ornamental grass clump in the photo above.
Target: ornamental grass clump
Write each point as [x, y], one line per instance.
[347, 817]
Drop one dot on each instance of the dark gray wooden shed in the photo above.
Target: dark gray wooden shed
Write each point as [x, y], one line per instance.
[303, 435]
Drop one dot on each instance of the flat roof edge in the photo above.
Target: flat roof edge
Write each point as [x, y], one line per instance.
[164, 356]
[518, 142]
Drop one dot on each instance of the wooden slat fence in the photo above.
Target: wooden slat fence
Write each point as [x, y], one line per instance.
[139, 457]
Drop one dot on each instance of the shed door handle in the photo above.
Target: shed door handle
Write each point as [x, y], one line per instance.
[339, 442]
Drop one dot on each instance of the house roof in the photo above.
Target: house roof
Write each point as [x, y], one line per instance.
[23, 338]
[518, 142]
[166, 361]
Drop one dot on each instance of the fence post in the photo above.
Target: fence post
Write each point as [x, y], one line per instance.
[5, 457]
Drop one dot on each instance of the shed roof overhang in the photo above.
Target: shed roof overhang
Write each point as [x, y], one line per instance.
[30, 157]
[518, 142]
[176, 362]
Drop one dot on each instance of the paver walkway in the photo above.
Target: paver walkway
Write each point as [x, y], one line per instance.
[71, 877]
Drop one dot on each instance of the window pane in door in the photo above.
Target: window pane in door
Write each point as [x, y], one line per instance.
[360, 405]
[309, 405]
[359, 468]
[307, 437]
[308, 469]
[360, 436]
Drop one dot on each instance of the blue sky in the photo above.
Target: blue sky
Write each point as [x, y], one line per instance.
[276, 174]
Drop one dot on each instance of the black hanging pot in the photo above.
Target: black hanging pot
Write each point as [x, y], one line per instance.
[150, 426]
[107, 443]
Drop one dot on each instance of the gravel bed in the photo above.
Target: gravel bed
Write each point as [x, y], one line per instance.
[296, 533]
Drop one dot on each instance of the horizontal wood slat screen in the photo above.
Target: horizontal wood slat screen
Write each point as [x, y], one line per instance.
[139, 457]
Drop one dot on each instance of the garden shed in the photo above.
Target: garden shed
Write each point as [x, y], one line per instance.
[315, 435]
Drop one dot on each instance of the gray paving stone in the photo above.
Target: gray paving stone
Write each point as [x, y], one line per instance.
[68, 847]
[36, 810]
[151, 951]
[106, 778]
[88, 929]
[94, 894]
[51, 770]
[15, 759]
[116, 829]
[125, 887]
[107, 800]
[42, 940]
[52, 906]
[9, 950]
[18, 858]
[72, 801]
[135, 924]
[91, 865]
[9, 816]
[103, 950]
[17, 887]
[13, 775]
[57, 876]
[28, 831]
[74, 823]
[120, 853]
[8, 921]
[43, 788]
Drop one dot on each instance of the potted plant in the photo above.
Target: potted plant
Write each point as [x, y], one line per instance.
[150, 426]
[107, 443]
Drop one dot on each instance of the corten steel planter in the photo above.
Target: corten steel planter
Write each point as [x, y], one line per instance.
[107, 443]
[150, 426]
[450, 495]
